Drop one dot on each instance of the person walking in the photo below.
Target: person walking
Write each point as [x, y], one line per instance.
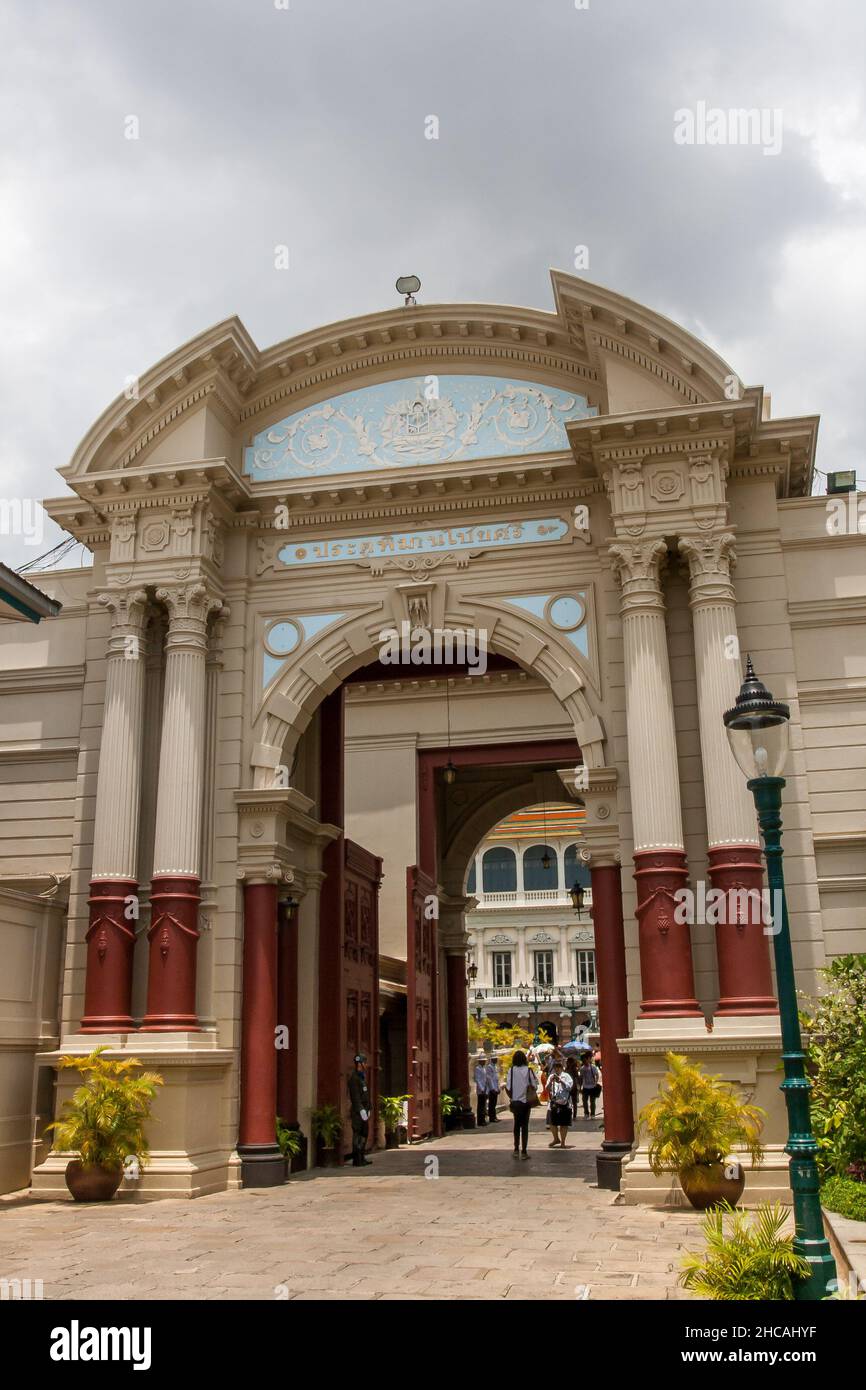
[493, 1086]
[359, 1101]
[560, 1086]
[521, 1087]
[589, 1086]
[573, 1068]
[481, 1089]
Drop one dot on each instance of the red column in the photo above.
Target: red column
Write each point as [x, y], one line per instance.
[612, 1022]
[458, 1026]
[261, 1162]
[742, 948]
[667, 977]
[110, 948]
[173, 938]
[287, 1011]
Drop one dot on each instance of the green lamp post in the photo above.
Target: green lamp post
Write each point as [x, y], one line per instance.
[757, 729]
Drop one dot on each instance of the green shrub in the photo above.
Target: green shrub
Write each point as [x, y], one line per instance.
[449, 1103]
[697, 1119]
[846, 1197]
[750, 1261]
[327, 1125]
[837, 1057]
[289, 1140]
[391, 1111]
[104, 1121]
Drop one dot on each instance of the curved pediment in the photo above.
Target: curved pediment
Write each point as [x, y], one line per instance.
[415, 421]
[220, 395]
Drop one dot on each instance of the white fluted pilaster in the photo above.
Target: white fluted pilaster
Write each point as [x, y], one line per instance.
[652, 748]
[730, 809]
[177, 838]
[118, 788]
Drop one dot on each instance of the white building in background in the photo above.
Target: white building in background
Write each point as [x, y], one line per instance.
[533, 953]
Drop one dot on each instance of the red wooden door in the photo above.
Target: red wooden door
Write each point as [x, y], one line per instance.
[421, 1008]
[349, 975]
[363, 873]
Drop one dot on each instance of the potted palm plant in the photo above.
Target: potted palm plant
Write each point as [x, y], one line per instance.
[693, 1124]
[327, 1126]
[294, 1148]
[391, 1111]
[291, 1143]
[104, 1123]
[451, 1109]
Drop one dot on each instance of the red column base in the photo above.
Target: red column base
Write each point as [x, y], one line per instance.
[110, 949]
[743, 950]
[173, 938]
[667, 978]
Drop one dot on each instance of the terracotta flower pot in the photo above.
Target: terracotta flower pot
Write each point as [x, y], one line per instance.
[707, 1184]
[92, 1184]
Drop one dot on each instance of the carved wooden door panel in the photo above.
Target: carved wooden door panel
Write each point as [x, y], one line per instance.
[421, 1007]
[362, 873]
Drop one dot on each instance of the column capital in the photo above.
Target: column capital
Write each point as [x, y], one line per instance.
[128, 610]
[711, 558]
[217, 632]
[601, 855]
[638, 566]
[189, 607]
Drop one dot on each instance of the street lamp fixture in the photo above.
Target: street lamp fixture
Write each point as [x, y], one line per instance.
[577, 893]
[471, 973]
[449, 774]
[757, 728]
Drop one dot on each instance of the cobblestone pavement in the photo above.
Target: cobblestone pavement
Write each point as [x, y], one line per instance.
[487, 1227]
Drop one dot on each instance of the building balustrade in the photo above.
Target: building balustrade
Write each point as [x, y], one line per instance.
[530, 897]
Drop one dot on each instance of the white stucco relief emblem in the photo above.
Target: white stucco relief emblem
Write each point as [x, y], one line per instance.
[416, 421]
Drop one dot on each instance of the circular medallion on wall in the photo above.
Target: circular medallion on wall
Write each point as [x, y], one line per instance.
[282, 638]
[566, 612]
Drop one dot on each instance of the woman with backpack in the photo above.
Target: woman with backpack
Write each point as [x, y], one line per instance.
[521, 1086]
[590, 1086]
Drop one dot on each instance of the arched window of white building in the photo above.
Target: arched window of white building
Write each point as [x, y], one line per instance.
[470, 882]
[540, 868]
[499, 871]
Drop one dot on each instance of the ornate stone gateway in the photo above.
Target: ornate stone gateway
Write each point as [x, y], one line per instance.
[572, 488]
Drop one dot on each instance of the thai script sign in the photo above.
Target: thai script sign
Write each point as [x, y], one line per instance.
[408, 543]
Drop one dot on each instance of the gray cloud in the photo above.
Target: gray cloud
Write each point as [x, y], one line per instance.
[261, 127]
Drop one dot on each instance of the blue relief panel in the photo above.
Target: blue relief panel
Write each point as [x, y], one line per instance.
[284, 636]
[397, 424]
[565, 612]
[439, 540]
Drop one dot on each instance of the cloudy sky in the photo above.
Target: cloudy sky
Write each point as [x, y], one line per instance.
[302, 123]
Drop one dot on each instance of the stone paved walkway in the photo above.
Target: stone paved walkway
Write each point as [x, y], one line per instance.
[485, 1227]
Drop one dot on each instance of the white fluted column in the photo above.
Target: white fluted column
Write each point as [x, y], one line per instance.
[659, 855]
[734, 855]
[174, 895]
[114, 887]
[115, 831]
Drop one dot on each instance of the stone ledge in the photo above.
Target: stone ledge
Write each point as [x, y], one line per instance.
[848, 1242]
